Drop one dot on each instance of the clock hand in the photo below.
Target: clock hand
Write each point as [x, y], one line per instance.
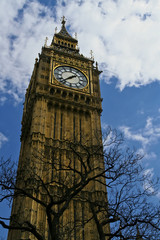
[69, 77]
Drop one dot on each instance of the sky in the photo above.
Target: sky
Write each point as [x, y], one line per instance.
[125, 39]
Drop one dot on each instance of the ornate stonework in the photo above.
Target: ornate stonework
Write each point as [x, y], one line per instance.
[54, 113]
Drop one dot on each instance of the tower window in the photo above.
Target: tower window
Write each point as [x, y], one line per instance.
[82, 97]
[61, 126]
[75, 218]
[76, 98]
[74, 167]
[60, 166]
[49, 235]
[52, 167]
[68, 44]
[64, 94]
[74, 129]
[52, 91]
[70, 95]
[80, 129]
[82, 221]
[88, 100]
[54, 133]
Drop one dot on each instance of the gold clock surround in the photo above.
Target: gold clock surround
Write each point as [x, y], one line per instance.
[72, 67]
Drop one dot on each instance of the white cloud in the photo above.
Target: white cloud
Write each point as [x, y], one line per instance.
[148, 155]
[136, 136]
[2, 100]
[22, 33]
[148, 186]
[147, 136]
[124, 36]
[3, 139]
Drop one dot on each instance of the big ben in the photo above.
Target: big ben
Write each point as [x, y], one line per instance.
[59, 170]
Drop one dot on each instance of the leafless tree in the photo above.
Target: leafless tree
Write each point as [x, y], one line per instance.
[132, 208]
[53, 183]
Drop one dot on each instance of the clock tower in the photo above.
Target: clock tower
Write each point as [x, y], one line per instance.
[62, 110]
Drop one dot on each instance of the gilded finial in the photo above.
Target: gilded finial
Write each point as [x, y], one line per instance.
[56, 30]
[63, 20]
[91, 52]
[45, 43]
[76, 36]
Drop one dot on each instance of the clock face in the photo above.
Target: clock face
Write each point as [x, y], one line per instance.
[70, 77]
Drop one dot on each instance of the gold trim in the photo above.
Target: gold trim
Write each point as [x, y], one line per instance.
[66, 65]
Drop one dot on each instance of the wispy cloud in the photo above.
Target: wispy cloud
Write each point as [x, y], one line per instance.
[148, 184]
[2, 100]
[135, 136]
[3, 139]
[149, 173]
[147, 136]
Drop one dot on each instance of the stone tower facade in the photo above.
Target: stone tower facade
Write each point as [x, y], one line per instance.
[60, 127]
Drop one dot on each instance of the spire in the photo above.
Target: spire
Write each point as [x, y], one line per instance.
[63, 20]
[63, 32]
[63, 39]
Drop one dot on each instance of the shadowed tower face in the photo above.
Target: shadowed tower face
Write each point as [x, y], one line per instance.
[60, 131]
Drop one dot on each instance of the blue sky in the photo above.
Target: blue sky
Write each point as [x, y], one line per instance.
[125, 39]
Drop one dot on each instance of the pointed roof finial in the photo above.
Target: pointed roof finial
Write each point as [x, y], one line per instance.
[63, 34]
[63, 20]
[45, 43]
[92, 57]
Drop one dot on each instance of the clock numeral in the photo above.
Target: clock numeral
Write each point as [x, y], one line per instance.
[62, 81]
[67, 83]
